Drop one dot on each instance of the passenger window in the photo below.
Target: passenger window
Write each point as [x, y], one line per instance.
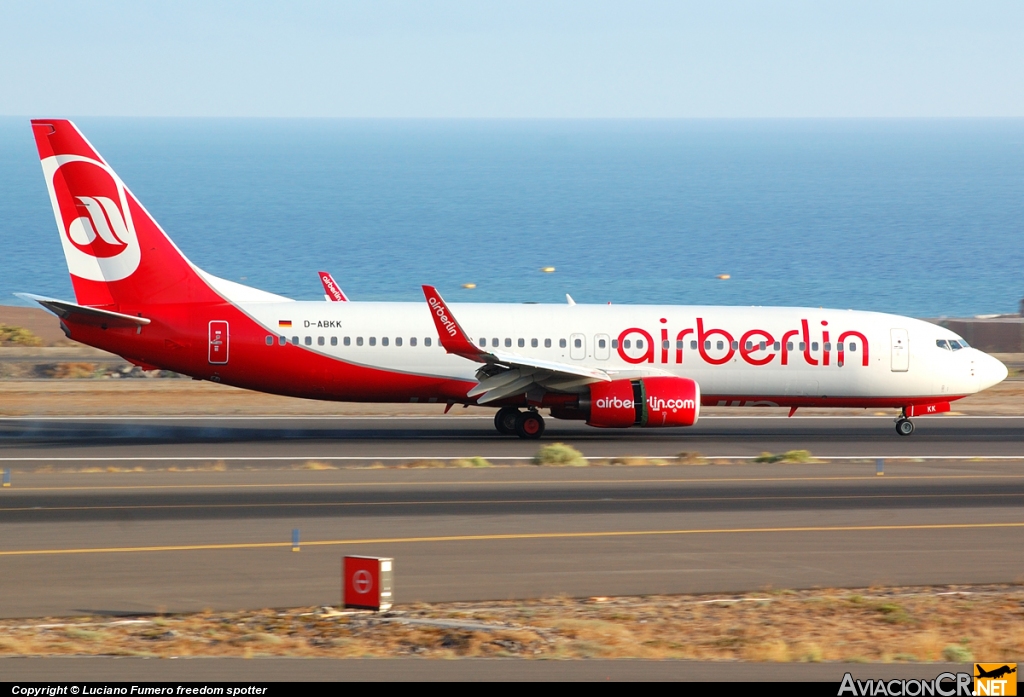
[412, 341]
[627, 344]
[398, 341]
[750, 345]
[721, 344]
[839, 347]
[334, 341]
[309, 341]
[373, 341]
[764, 345]
[508, 342]
[578, 343]
[483, 343]
[679, 344]
[547, 343]
[693, 345]
[347, 341]
[601, 343]
[639, 343]
[803, 346]
[828, 345]
[777, 346]
[735, 345]
[707, 345]
[384, 341]
[814, 345]
[319, 341]
[666, 344]
[561, 343]
[533, 343]
[359, 341]
[852, 347]
[789, 345]
[270, 340]
[295, 341]
[615, 343]
[281, 341]
[494, 343]
[521, 343]
[426, 342]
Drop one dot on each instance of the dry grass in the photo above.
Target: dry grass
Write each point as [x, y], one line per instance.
[910, 624]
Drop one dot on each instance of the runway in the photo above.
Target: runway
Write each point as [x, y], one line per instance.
[273, 441]
[78, 539]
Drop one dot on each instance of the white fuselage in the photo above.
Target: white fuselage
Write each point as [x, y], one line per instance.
[791, 352]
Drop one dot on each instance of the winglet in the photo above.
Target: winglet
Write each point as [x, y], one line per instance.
[332, 289]
[450, 334]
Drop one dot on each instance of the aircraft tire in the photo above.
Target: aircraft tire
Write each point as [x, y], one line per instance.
[529, 425]
[505, 420]
[904, 427]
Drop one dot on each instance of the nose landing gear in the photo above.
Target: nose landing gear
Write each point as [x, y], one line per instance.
[525, 424]
[904, 426]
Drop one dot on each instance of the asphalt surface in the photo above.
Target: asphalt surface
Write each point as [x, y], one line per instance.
[77, 538]
[256, 442]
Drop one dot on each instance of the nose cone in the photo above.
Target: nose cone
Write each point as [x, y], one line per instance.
[989, 371]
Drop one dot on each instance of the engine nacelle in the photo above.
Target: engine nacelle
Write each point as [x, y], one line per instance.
[648, 402]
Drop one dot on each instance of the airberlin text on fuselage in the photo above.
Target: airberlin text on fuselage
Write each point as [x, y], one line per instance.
[749, 345]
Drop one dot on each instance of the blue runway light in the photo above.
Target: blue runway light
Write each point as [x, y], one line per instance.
[295, 540]
[879, 467]
[7, 477]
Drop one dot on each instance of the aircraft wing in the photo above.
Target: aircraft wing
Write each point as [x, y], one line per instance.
[505, 374]
[85, 315]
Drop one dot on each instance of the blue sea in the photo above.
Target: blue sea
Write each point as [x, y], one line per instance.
[917, 217]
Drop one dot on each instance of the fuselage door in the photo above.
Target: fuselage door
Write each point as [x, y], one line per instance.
[577, 347]
[900, 350]
[218, 342]
[602, 347]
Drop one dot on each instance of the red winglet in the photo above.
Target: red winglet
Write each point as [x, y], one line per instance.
[331, 288]
[452, 338]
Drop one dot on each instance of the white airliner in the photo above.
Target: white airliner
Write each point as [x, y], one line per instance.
[613, 366]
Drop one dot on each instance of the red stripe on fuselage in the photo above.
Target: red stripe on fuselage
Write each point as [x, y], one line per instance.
[177, 340]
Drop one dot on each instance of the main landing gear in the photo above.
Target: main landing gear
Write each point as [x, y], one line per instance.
[904, 426]
[525, 424]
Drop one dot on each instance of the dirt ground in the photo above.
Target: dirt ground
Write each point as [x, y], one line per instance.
[901, 624]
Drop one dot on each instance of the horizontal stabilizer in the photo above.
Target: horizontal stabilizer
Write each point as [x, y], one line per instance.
[85, 315]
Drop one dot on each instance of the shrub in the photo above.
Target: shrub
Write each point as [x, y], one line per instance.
[958, 653]
[18, 336]
[559, 454]
[788, 457]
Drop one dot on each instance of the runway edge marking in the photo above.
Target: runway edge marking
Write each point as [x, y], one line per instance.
[511, 536]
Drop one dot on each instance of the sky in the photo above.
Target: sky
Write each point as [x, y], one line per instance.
[481, 59]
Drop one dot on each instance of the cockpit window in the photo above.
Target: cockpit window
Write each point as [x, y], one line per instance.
[941, 343]
[957, 345]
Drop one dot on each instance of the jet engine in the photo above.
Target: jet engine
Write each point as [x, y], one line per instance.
[646, 402]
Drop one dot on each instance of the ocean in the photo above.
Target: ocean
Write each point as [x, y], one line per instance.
[917, 217]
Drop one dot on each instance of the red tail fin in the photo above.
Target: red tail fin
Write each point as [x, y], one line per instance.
[116, 252]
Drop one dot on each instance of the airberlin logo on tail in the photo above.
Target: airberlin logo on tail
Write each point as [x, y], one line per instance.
[91, 206]
[442, 315]
[102, 232]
